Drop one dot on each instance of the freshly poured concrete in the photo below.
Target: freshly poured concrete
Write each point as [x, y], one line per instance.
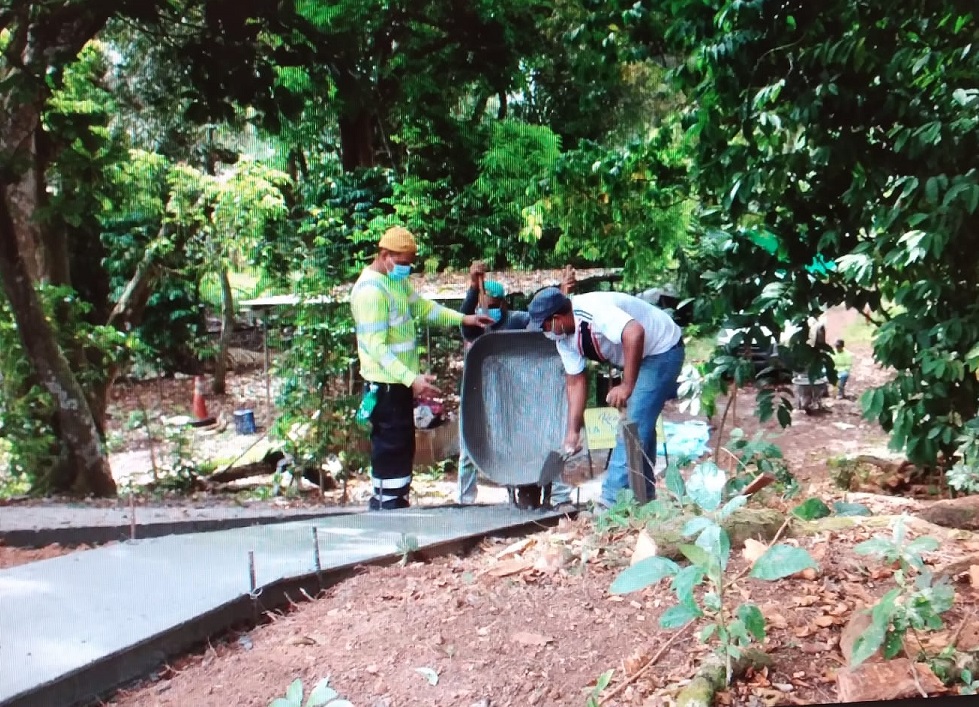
[39, 525]
[71, 627]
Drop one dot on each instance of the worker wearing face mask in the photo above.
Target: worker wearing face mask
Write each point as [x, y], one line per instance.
[385, 307]
[623, 331]
[496, 307]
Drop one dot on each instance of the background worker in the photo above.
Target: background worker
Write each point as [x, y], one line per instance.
[843, 362]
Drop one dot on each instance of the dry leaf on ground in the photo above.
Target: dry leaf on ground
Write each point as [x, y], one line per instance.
[551, 559]
[531, 639]
[515, 548]
[510, 567]
[645, 547]
[753, 550]
[636, 662]
[302, 641]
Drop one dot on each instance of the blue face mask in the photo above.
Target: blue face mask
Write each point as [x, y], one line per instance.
[495, 314]
[399, 272]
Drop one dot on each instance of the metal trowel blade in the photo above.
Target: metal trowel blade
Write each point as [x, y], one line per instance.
[553, 467]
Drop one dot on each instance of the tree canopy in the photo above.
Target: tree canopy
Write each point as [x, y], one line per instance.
[775, 158]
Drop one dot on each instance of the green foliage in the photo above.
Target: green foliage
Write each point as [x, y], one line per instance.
[698, 388]
[509, 189]
[916, 604]
[319, 407]
[322, 695]
[627, 513]
[759, 456]
[964, 474]
[26, 407]
[811, 509]
[970, 686]
[25, 410]
[623, 206]
[842, 134]
[600, 684]
[407, 546]
[730, 629]
[850, 509]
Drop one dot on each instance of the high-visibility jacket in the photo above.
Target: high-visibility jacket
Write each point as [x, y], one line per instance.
[384, 313]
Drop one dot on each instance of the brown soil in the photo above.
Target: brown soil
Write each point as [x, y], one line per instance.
[12, 556]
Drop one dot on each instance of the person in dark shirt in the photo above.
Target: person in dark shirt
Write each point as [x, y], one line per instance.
[504, 319]
[496, 308]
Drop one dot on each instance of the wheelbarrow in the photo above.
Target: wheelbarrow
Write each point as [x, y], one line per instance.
[513, 413]
[810, 392]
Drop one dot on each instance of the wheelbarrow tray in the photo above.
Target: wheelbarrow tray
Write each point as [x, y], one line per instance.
[513, 408]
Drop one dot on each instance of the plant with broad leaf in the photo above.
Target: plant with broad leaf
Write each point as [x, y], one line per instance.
[709, 553]
[322, 695]
[964, 474]
[915, 604]
[407, 546]
[969, 686]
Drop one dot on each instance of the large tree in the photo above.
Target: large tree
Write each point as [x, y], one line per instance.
[224, 47]
[847, 132]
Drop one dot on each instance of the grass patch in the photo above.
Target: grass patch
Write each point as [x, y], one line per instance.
[244, 285]
[859, 332]
[700, 348]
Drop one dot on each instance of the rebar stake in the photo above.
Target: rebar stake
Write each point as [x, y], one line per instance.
[132, 514]
[251, 572]
[316, 549]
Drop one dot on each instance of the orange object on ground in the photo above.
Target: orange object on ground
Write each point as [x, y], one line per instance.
[200, 407]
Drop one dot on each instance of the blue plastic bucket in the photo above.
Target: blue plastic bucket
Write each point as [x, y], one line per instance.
[245, 422]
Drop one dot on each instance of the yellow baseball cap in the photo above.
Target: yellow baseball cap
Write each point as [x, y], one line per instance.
[398, 239]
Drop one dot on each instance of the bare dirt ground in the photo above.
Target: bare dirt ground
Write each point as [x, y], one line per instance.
[12, 556]
[534, 623]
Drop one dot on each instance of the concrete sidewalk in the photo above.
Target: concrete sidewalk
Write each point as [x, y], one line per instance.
[40, 525]
[73, 628]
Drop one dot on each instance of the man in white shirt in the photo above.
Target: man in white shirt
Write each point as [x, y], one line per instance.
[625, 332]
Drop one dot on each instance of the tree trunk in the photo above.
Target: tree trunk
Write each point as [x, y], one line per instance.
[357, 141]
[501, 111]
[76, 424]
[227, 329]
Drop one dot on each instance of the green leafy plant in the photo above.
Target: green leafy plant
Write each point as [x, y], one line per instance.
[969, 686]
[600, 684]
[26, 406]
[626, 512]
[731, 629]
[757, 456]
[407, 546]
[964, 474]
[322, 695]
[846, 232]
[917, 602]
[318, 396]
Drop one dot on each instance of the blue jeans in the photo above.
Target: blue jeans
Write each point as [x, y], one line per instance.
[655, 384]
[844, 376]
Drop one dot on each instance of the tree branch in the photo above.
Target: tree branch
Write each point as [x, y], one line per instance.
[137, 290]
